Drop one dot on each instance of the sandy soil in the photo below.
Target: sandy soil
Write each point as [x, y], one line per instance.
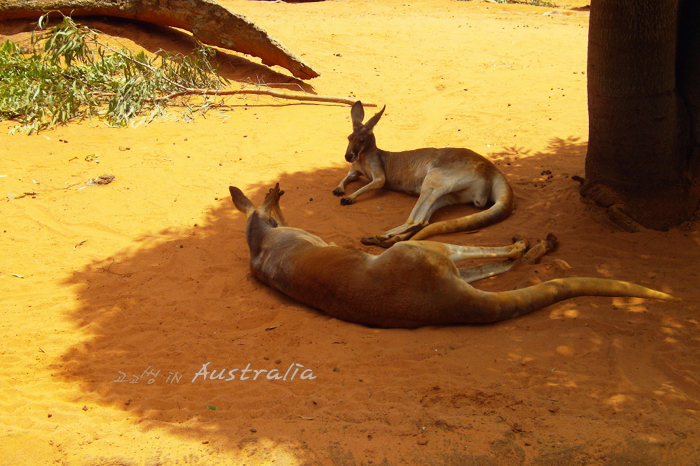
[114, 297]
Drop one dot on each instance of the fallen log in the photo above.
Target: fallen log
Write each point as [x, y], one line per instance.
[209, 22]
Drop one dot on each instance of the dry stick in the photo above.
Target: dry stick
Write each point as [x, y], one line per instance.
[270, 92]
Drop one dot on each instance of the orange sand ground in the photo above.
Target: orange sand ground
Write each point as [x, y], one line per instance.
[150, 272]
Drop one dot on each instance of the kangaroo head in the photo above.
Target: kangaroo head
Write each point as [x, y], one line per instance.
[362, 138]
[267, 210]
[261, 219]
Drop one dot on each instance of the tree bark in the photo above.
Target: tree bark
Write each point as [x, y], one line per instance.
[642, 154]
[208, 21]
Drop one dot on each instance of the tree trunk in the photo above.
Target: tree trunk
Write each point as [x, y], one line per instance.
[643, 74]
[208, 21]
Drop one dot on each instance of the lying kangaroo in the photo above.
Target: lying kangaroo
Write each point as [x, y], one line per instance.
[412, 284]
[440, 177]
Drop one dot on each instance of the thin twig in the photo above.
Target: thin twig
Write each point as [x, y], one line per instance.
[115, 273]
[269, 92]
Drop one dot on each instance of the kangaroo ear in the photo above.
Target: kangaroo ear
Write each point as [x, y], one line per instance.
[375, 119]
[357, 114]
[272, 198]
[242, 203]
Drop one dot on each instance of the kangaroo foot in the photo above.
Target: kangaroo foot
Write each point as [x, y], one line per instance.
[519, 238]
[520, 244]
[370, 241]
[401, 233]
[390, 242]
[542, 247]
[387, 243]
[384, 240]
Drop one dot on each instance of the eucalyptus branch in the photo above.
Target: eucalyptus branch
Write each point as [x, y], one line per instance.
[73, 74]
[135, 60]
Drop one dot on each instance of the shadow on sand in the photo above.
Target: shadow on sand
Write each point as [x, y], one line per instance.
[154, 316]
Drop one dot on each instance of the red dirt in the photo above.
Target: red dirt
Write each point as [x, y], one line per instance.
[151, 270]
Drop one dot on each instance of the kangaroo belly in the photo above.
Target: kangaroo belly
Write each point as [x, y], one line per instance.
[401, 185]
[407, 178]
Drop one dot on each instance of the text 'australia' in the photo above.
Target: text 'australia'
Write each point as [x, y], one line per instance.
[227, 375]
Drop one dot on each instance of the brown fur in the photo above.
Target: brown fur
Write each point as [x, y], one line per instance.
[439, 177]
[412, 284]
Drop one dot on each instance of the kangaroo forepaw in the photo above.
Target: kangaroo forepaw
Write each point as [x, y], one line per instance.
[338, 192]
[345, 201]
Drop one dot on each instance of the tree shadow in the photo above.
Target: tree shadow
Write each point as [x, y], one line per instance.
[526, 165]
[155, 315]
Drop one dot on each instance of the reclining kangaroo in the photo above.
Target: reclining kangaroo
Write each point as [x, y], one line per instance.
[440, 177]
[412, 284]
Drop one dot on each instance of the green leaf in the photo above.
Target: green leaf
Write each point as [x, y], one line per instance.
[69, 74]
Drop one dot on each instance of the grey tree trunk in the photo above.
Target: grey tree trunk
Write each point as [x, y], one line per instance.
[643, 101]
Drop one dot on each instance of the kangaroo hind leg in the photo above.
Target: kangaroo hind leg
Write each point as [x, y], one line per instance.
[532, 256]
[458, 253]
[429, 201]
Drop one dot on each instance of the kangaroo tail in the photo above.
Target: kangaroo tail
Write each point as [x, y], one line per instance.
[501, 193]
[509, 304]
